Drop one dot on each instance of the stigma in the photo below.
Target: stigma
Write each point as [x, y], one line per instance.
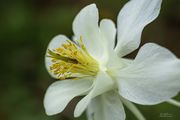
[72, 60]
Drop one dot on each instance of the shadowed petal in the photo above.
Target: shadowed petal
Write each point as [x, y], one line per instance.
[108, 31]
[55, 43]
[107, 106]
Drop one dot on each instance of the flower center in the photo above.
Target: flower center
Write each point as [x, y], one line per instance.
[72, 60]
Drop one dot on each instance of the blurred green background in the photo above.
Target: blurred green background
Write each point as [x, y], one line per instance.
[27, 26]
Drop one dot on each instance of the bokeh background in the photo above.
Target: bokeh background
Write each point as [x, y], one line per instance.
[27, 26]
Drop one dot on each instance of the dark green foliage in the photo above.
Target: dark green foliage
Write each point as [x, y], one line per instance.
[27, 26]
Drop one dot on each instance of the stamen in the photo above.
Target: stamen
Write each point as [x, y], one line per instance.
[71, 60]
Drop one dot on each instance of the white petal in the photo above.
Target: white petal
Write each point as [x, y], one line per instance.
[60, 93]
[152, 78]
[106, 107]
[108, 31]
[108, 34]
[55, 43]
[86, 25]
[102, 83]
[132, 19]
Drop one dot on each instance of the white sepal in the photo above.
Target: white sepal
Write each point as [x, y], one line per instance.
[60, 93]
[132, 19]
[152, 78]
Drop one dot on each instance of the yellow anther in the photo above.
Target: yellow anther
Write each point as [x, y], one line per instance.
[71, 60]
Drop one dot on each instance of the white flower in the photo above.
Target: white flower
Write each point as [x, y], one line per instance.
[92, 65]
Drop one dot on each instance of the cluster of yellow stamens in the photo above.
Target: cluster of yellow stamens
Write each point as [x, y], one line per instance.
[72, 60]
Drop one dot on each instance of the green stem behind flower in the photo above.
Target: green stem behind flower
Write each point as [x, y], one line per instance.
[174, 102]
[133, 109]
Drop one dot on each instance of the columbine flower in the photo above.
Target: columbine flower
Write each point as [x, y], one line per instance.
[92, 65]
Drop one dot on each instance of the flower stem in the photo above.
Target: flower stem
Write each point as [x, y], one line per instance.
[133, 109]
[174, 102]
